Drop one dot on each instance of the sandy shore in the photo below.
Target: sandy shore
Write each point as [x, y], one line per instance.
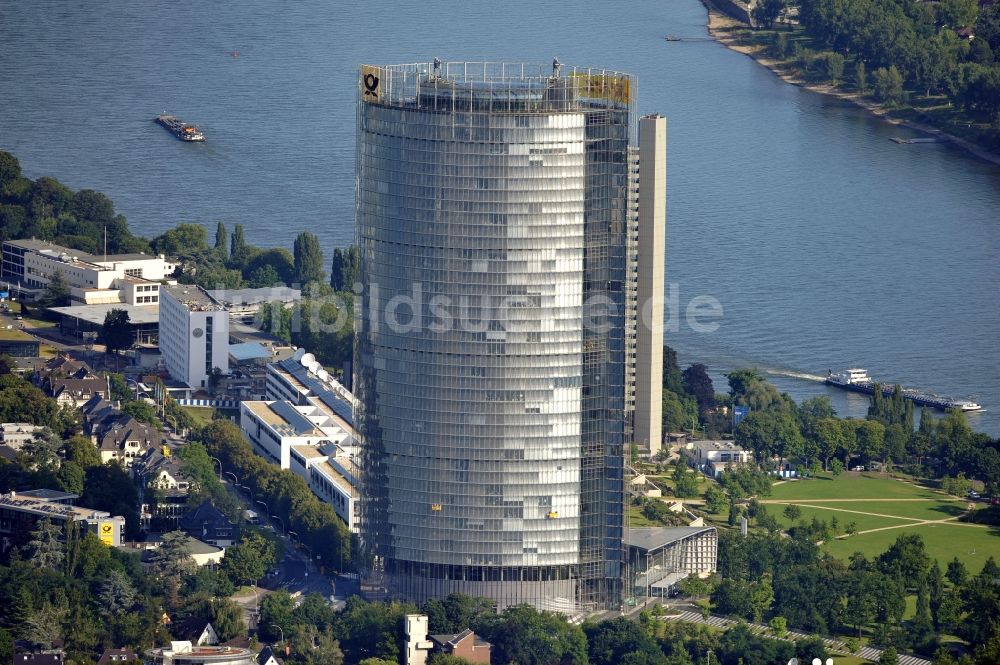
[720, 29]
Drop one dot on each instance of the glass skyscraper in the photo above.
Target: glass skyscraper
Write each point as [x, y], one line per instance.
[490, 357]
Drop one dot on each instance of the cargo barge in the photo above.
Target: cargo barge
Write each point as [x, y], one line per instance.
[182, 130]
[857, 380]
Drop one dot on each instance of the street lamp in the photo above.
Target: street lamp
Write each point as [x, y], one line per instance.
[236, 481]
[292, 533]
[274, 625]
[219, 462]
[280, 521]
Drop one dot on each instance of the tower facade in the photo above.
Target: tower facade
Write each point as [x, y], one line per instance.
[489, 363]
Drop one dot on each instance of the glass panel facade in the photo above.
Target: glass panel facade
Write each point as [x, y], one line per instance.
[489, 367]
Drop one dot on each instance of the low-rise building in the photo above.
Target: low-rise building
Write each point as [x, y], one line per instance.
[126, 440]
[185, 653]
[246, 303]
[19, 514]
[17, 343]
[208, 524]
[15, 435]
[76, 392]
[714, 457]
[660, 557]
[465, 645]
[117, 657]
[164, 488]
[31, 264]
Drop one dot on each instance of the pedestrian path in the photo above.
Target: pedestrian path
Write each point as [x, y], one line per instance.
[870, 653]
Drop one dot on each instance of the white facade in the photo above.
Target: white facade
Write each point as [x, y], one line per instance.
[310, 441]
[713, 457]
[92, 279]
[16, 435]
[194, 334]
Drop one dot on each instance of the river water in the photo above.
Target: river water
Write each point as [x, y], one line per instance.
[827, 245]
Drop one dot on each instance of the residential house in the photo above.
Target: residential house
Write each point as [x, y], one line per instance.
[117, 656]
[127, 440]
[466, 645]
[98, 415]
[197, 631]
[714, 457]
[164, 487]
[75, 392]
[268, 656]
[208, 524]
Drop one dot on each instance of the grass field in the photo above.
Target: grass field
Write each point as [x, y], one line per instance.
[202, 415]
[852, 494]
[851, 486]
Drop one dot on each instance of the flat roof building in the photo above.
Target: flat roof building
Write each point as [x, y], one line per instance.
[30, 264]
[194, 334]
[19, 512]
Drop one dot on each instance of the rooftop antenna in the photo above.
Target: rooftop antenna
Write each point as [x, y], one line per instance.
[437, 67]
[556, 67]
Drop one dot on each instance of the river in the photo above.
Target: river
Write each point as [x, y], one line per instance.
[827, 245]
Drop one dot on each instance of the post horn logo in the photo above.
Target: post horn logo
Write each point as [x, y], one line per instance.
[371, 85]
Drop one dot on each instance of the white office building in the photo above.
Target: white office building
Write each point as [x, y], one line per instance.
[194, 334]
[308, 439]
[29, 266]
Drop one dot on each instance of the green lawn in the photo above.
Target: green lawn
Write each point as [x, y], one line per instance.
[972, 545]
[863, 522]
[637, 519]
[202, 415]
[867, 493]
[851, 486]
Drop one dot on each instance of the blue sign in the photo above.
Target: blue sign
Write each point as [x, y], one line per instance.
[739, 413]
[4, 295]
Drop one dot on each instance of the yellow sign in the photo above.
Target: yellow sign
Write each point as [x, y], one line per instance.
[107, 534]
[604, 86]
[371, 83]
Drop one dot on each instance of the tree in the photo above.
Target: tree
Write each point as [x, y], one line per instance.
[766, 12]
[779, 625]
[889, 657]
[250, 559]
[116, 594]
[526, 636]
[45, 549]
[889, 85]
[345, 268]
[860, 76]
[57, 291]
[279, 260]
[172, 559]
[263, 277]
[142, 411]
[227, 618]
[308, 259]
[42, 449]
[698, 384]
[238, 248]
[957, 573]
[71, 476]
[10, 169]
[907, 558]
[685, 483]
[715, 499]
[116, 333]
[957, 13]
[182, 240]
[678, 412]
[220, 241]
[793, 512]
[610, 641]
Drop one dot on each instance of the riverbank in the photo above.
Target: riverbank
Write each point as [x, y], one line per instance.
[723, 29]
